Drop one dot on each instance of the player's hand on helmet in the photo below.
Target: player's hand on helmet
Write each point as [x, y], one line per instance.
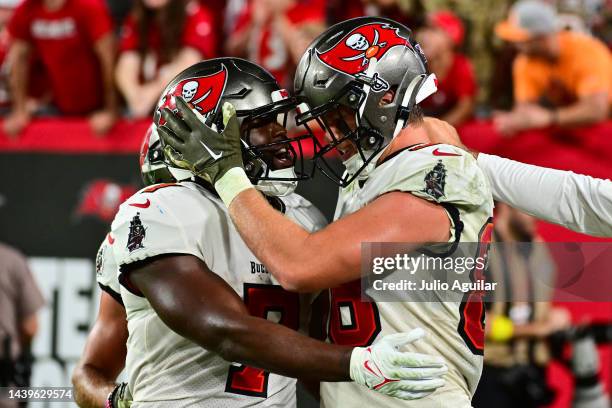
[193, 145]
[384, 368]
[120, 397]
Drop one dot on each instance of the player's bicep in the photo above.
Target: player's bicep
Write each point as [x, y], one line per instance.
[392, 217]
[105, 349]
[189, 298]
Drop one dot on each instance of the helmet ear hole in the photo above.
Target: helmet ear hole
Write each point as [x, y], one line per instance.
[388, 97]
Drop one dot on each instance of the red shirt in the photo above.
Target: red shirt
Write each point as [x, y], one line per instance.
[267, 47]
[199, 33]
[64, 39]
[458, 83]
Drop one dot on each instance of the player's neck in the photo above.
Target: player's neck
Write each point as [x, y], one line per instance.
[411, 135]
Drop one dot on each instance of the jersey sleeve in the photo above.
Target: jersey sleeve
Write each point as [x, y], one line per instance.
[438, 173]
[580, 203]
[152, 224]
[443, 174]
[107, 269]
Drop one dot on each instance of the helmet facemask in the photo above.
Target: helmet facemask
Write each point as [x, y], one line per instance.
[346, 130]
[372, 67]
[262, 108]
[274, 161]
[153, 168]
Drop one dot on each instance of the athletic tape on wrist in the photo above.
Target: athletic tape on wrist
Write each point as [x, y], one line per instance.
[233, 182]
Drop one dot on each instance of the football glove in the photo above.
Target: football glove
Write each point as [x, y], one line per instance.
[382, 367]
[193, 145]
[120, 397]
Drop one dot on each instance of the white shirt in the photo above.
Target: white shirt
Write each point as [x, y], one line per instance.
[580, 203]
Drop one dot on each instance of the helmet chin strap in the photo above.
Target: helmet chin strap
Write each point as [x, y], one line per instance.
[278, 188]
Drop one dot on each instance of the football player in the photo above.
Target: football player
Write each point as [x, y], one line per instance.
[197, 300]
[94, 377]
[362, 81]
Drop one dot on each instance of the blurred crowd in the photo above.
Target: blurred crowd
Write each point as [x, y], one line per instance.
[545, 63]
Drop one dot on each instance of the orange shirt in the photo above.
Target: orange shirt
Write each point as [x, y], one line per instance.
[584, 67]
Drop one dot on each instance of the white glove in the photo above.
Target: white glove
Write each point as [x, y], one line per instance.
[405, 375]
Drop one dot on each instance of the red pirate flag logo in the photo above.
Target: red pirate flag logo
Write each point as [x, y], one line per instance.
[202, 93]
[352, 54]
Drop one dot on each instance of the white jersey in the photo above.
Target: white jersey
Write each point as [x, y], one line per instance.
[451, 177]
[106, 269]
[580, 203]
[165, 369]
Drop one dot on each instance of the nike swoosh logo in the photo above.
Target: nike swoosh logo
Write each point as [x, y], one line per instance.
[366, 364]
[110, 238]
[437, 152]
[146, 204]
[384, 381]
[215, 156]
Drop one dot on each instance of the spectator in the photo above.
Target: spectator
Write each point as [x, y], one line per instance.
[275, 34]
[520, 317]
[20, 300]
[6, 11]
[561, 78]
[74, 41]
[160, 39]
[410, 13]
[455, 99]
[119, 9]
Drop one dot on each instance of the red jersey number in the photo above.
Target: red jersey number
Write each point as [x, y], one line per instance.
[472, 308]
[263, 301]
[352, 322]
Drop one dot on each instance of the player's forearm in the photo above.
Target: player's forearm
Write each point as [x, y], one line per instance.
[279, 243]
[578, 202]
[278, 349]
[91, 386]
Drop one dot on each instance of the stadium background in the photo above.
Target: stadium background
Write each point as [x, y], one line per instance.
[62, 182]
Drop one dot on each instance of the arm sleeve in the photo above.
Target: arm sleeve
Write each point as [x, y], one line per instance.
[580, 203]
